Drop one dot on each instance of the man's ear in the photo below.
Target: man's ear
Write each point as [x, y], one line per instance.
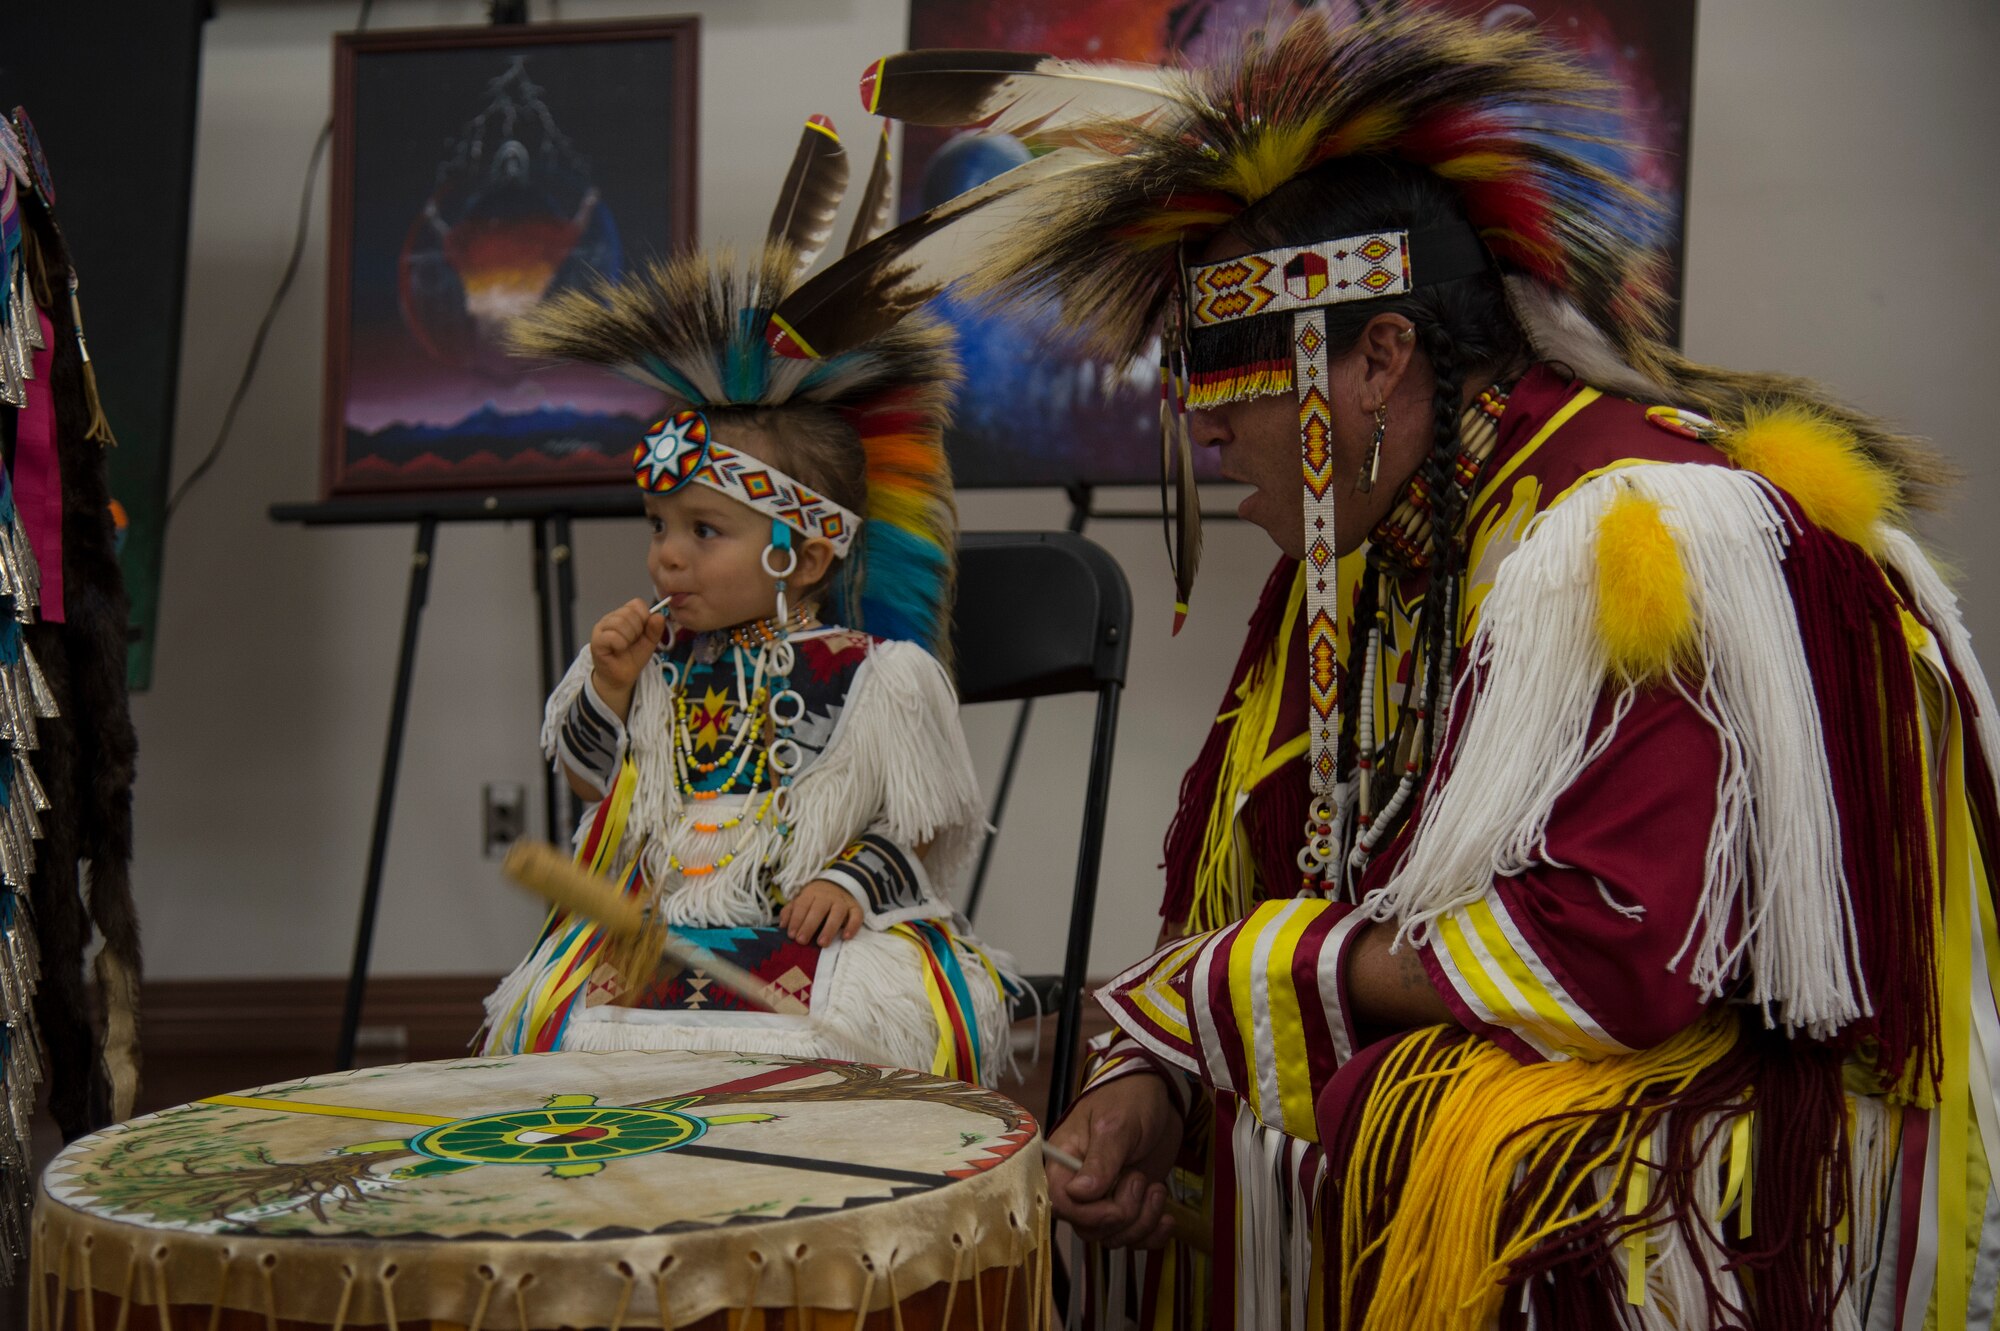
[1386, 345]
[815, 560]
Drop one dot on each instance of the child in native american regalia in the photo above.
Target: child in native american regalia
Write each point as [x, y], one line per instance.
[774, 765]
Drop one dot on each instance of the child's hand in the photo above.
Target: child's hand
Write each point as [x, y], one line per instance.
[620, 645]
[820, 913]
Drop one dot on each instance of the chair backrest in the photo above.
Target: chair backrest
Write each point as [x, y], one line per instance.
[1041, 613]
[1038, 613]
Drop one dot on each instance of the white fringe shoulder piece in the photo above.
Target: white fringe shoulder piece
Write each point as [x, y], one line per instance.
[1773, 910]
[896, 760]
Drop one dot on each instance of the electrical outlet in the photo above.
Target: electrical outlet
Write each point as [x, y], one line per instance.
[505, 820]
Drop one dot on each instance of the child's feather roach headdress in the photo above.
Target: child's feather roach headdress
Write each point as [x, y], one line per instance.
[693, 326]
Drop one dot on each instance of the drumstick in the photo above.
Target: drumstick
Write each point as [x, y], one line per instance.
[1188, 1225]
[546, 870]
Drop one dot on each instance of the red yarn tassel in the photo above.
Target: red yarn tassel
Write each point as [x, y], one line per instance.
[1851, 626]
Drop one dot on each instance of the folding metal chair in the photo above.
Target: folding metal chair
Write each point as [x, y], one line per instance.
[1050, 613]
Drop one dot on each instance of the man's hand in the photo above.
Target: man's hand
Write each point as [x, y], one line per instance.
[820, 913]
[1127, 1134]
[620, 645]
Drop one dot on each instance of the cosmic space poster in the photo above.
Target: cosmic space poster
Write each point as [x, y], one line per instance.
[476, 172]
[1034, 412]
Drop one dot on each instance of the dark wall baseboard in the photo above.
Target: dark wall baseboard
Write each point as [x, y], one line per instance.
[203, 1037]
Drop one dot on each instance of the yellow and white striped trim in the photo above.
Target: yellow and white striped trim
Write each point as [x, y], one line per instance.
[1494, 970]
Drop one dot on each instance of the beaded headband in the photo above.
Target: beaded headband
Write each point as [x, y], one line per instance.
[678, 451]
[1299, 277]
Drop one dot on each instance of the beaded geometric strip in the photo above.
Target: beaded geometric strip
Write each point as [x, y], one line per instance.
[1309, 372]
[1405, 535]
[1292, 277]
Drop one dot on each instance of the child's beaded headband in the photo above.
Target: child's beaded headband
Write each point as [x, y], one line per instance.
[678, 451]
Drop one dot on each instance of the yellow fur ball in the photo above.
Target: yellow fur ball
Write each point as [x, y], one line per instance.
[1644, 613]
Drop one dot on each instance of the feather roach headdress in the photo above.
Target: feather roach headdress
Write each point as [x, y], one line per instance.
[693, 326]
[1141, 170]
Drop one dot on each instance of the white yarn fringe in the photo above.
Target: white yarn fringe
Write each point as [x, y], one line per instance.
[1773, 909]
[896, 761]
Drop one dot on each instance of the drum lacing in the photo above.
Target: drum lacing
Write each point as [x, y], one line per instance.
[387, 1280]
[624, 1298]
[1044, 1245]
[125, 1295]
[38, 1313]
[660, 1291]
[1014, 1263]
[521, 1297]
[89, 1295]
[756, 1260]
[799, 1284]
[867, 1292]
[266, 1264]
[347, 1279]
[161, 1302]
[978, 1294]
[951, 1291]
[895, 1303]
[227, 1256]
[491, 1277]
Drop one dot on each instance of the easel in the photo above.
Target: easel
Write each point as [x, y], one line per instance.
[552, 512]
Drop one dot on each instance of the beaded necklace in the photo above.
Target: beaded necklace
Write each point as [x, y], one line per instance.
[768, 708]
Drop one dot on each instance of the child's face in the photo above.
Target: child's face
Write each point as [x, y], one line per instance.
[707, 552]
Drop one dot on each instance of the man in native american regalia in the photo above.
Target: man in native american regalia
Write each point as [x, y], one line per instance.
[1579, 913]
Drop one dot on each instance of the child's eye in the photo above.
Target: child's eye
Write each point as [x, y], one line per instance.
[658, 526]
[703, 531]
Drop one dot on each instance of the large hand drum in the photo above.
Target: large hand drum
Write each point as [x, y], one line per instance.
[709, 1190]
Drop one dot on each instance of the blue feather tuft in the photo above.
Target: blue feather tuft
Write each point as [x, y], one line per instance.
[903, 580]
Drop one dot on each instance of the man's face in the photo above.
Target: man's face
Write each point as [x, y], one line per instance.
[1257, 443]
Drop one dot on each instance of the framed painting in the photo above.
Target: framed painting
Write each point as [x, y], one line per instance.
[476, 171]
[1032, 412]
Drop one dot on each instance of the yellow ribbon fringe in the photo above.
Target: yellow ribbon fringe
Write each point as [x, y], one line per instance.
[1473, 1119]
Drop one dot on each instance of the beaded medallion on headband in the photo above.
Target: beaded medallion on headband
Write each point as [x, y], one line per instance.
[679, 451]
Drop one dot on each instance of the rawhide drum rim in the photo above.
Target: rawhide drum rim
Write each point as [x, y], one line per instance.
[556, 1190]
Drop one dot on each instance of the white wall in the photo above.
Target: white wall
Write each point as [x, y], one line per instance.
[1840, 224]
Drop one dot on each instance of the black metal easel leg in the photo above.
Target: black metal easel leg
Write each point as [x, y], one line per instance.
[1079, 514]
[545, 633]
[562, 556]
[385, 794]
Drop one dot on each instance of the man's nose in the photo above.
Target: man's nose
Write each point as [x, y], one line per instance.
[1207, 427]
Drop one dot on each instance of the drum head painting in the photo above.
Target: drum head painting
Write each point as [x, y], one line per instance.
[561, 1167]
[478, 171]
[1035, 412]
